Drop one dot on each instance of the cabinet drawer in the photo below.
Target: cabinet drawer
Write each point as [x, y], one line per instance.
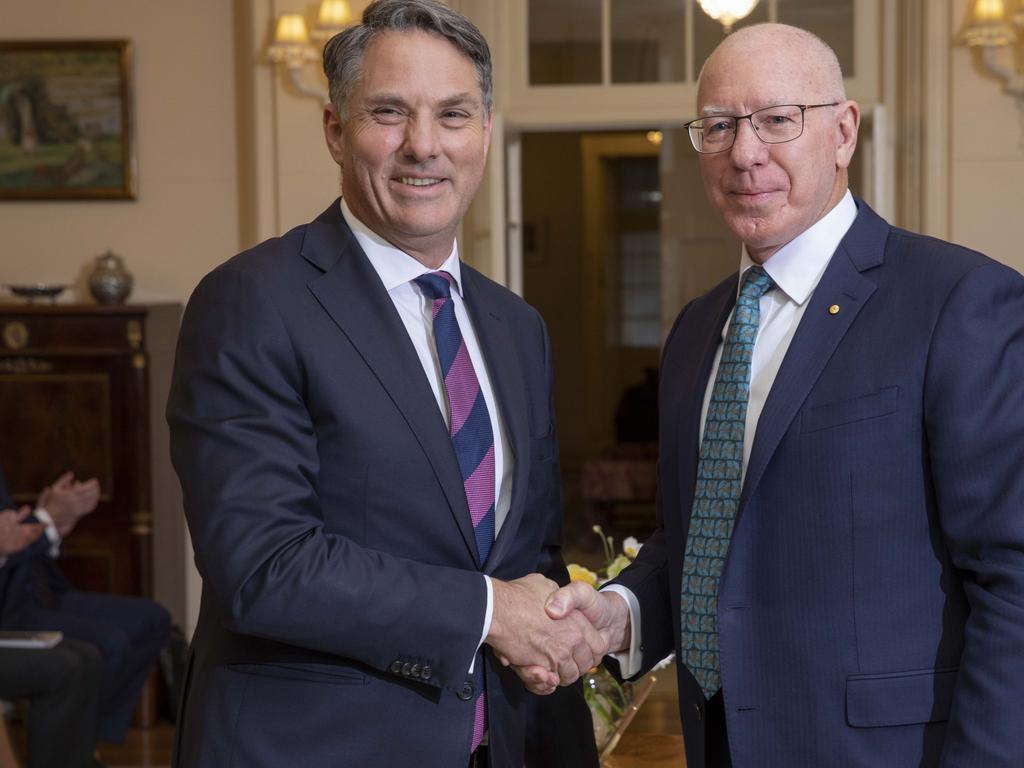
[25, 333]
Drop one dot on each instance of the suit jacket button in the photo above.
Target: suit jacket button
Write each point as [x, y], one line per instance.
[415, 671]
[406, 669]
[396, 667]
[466, 691]
[426, 672]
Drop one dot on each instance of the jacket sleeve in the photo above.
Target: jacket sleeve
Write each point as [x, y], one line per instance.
[244, 446]
[974, 421]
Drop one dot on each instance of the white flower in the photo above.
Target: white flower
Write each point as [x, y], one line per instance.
[631, 547]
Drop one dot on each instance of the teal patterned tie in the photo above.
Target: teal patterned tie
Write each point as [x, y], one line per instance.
[719, 482]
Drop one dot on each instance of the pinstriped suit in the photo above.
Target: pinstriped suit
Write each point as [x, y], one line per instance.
[871, 606]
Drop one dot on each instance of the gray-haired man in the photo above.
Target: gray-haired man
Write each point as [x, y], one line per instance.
[363, 430]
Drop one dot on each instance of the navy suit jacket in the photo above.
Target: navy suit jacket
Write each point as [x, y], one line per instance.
[871, 607]
[342, 593]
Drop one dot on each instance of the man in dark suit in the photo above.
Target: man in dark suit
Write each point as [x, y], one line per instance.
[128, 631]
[363, 430]
[839, 562]
[60, 683]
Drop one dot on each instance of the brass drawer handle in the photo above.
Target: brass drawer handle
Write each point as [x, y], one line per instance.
[15, 335]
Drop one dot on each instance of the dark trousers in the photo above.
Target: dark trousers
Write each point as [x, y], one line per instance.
[560, 730]
[716, 739]
[61, 685]
[129, 633]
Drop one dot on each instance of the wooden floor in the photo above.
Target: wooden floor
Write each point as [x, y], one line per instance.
[653, 738]
[142, 748]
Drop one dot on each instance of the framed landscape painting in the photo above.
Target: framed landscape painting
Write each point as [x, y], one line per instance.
[66, 120]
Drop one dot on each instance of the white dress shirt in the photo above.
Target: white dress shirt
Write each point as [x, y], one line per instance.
[397, 270]
[796, 268]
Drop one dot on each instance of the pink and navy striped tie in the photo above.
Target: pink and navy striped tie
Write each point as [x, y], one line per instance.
[472, 437]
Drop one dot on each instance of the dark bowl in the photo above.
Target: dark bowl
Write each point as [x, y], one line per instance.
[37, 290]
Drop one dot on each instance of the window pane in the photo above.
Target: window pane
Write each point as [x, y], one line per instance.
[708, 33]
[565, 42]
[637, 184]
[831, 20]
[647, 41]
[640, 292]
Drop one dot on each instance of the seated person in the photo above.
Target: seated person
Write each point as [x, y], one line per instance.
[60, 683]
[128, 631]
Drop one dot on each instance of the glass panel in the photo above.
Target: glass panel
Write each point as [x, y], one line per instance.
[565, 42]
[647, 41]
[640, 280]
[637, 184]
[708, 33]
[831, 20]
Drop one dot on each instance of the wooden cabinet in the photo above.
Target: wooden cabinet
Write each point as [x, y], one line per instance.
[82, 387]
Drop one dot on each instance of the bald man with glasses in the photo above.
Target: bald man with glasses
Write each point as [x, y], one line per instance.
[839, 560]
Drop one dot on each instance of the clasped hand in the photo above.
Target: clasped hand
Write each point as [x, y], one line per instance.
[552, 636]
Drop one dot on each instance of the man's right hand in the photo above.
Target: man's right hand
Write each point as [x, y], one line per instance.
[544, 652]
[15, 534]
[605, 612]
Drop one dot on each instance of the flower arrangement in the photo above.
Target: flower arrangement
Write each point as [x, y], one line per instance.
[609, 700]
[614, 563]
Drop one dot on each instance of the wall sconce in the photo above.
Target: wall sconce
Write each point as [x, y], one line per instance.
[992, 29]
[292, 49]
[728, 11]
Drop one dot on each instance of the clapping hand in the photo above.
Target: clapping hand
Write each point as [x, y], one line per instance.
[15, 533]
[68, 501]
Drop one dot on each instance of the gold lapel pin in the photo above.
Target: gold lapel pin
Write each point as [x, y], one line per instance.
[834, 309]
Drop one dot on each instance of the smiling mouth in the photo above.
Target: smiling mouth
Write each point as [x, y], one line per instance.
[419, 182]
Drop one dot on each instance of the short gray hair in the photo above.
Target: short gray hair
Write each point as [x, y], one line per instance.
[343, 54]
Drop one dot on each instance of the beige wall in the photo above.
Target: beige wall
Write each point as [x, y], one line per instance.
[986, 158]
[185, 219]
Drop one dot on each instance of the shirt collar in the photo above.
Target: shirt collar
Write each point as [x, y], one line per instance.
[394, 266]
[797, 266]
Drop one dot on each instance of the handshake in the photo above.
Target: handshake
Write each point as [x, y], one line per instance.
[552, 636]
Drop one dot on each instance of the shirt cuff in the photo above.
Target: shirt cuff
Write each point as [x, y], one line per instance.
[488, 615]
[51, 530]
[630, 660]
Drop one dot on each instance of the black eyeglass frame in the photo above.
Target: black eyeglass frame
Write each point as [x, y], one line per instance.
[802, 107]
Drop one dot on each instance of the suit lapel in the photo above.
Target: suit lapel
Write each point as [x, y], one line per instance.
[817, 337]
[353, 295]
[503, 366]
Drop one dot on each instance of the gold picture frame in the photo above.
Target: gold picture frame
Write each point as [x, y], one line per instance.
[66, 120]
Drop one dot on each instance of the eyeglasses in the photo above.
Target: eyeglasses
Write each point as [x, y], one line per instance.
[772, 125]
